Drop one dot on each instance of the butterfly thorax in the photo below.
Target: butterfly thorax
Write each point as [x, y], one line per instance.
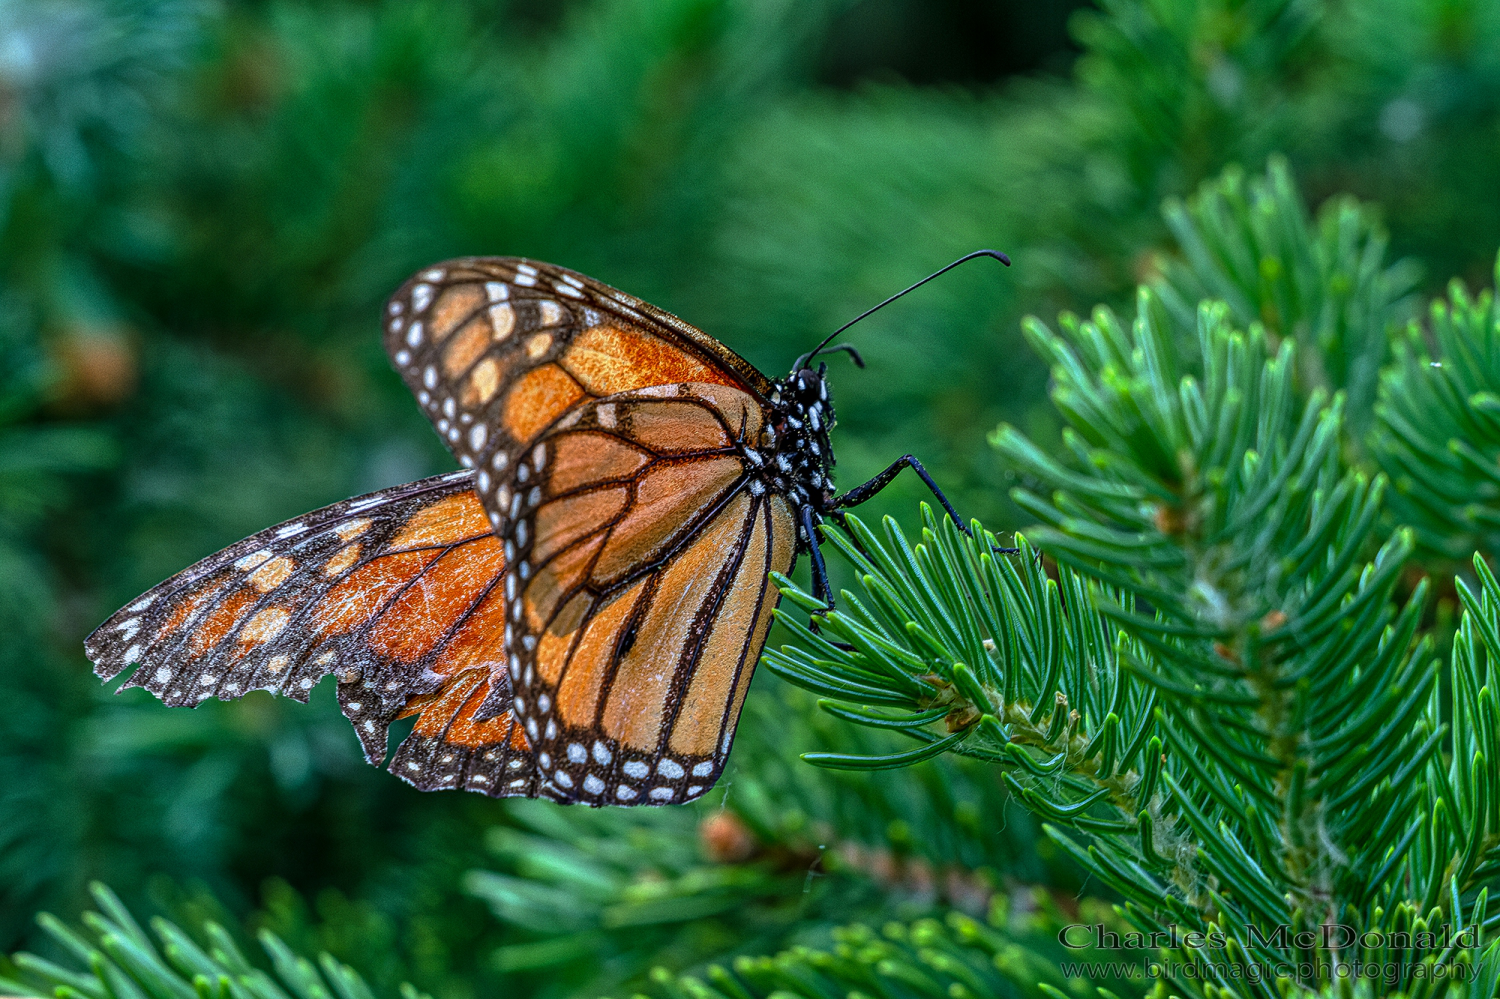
[794, 455]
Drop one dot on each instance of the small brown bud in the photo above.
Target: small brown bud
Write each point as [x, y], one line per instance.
[1169, 520]
[725, 838]
[1272, 621]
[961, 718]
[97, 366]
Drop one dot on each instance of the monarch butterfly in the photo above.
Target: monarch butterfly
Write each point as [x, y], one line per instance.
[576, 614]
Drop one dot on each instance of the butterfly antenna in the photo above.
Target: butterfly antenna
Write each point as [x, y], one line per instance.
[802, 361]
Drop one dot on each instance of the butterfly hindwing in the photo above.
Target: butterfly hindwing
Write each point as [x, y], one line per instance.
[640, 557]
[397, 593]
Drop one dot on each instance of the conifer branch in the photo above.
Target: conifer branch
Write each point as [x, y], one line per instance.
[1181, 705]
[1438, 425]
[1324, 283]
[958, 957]
[123, 961]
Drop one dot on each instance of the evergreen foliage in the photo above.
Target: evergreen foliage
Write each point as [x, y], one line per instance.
[122, 960]
[1326, 283]
[1214, 690]
[1438, 437]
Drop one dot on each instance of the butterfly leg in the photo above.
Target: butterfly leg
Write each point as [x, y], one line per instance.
[859, 494]
[821, 588]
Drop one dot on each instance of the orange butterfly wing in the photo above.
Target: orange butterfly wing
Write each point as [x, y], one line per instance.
[398, 593]
[613, 448]
[642, 600]
[496, 349]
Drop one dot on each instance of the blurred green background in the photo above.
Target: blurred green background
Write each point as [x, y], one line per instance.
[203, 204]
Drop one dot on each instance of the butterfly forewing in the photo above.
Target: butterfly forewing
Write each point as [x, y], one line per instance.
[398, 593]
[641, 551]
[497, 348]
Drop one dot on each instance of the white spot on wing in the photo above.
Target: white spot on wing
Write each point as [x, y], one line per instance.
[248, 562]
[502, 320]
[421, 296]
[636, 769]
